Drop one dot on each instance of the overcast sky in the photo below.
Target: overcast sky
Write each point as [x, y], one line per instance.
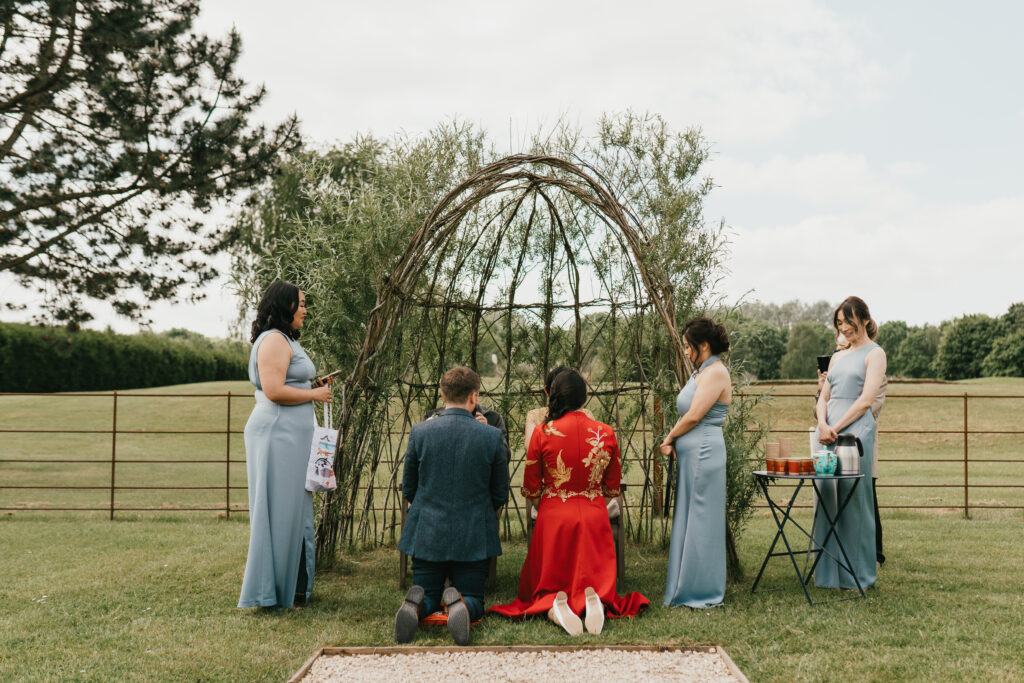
[869, 148]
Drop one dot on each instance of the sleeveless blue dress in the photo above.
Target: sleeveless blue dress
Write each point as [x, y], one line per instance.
[282, 547]
[696, 554]
[857, 525]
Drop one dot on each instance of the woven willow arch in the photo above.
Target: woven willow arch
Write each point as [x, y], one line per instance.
[444, 304]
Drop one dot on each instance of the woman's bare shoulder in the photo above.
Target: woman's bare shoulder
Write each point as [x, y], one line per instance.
[876, 357]
[275, 343]
[718, 371]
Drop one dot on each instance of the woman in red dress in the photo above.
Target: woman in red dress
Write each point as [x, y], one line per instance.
[572, 465]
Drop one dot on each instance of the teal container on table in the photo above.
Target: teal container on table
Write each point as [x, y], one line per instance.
[824, 463]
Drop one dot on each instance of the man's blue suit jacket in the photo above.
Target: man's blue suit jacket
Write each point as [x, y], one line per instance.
[455, 477]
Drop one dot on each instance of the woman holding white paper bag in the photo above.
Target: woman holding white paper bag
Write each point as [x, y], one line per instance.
[281, 560]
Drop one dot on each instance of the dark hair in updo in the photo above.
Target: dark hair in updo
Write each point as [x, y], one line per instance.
[700, 330]
[552, 374]
[854, 309]
[276, 310]
[568, 393]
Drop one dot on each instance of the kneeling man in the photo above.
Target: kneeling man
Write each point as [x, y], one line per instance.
[455, 478]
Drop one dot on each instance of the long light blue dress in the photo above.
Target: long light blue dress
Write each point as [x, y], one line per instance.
[857, 525]
[696, 554]
[282, 548]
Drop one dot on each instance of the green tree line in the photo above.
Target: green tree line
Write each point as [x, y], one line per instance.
[34, 358]
[771, 341]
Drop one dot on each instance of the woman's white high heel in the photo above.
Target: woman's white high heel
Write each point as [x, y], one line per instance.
[562, 614]
[595, 612]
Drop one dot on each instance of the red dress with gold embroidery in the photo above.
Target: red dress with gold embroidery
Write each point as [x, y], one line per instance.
[572, 464]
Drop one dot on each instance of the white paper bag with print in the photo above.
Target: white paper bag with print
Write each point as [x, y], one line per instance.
[320, 471]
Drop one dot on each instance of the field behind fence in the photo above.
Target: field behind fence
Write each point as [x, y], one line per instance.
[952, 447]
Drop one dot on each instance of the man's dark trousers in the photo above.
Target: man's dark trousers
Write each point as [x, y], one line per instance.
[455, 477]
[468, 577]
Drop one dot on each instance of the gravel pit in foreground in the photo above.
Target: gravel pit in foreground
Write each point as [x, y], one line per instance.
[519, 663]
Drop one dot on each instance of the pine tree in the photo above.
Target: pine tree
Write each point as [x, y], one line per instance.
[119, 126]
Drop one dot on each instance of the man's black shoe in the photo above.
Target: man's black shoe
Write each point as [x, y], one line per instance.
[407, 619]
[458, 616]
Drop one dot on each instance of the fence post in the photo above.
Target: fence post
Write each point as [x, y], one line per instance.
[966, 484]
[113, 457]
[227, 463]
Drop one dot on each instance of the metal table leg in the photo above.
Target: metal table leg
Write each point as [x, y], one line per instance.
[783, 516]
[779, 523]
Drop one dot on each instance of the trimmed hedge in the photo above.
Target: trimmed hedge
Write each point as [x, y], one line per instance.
[47, 359]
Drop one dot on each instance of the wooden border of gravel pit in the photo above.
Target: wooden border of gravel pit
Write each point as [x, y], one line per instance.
[406, 650]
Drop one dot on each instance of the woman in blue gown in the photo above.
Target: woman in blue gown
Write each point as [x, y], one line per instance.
[696, 556]
[855, 377]
[280, 564]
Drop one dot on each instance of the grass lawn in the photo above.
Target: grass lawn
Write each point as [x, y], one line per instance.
[154, 599]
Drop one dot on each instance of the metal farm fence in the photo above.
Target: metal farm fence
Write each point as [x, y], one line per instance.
[113, 431]
[963, 432]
